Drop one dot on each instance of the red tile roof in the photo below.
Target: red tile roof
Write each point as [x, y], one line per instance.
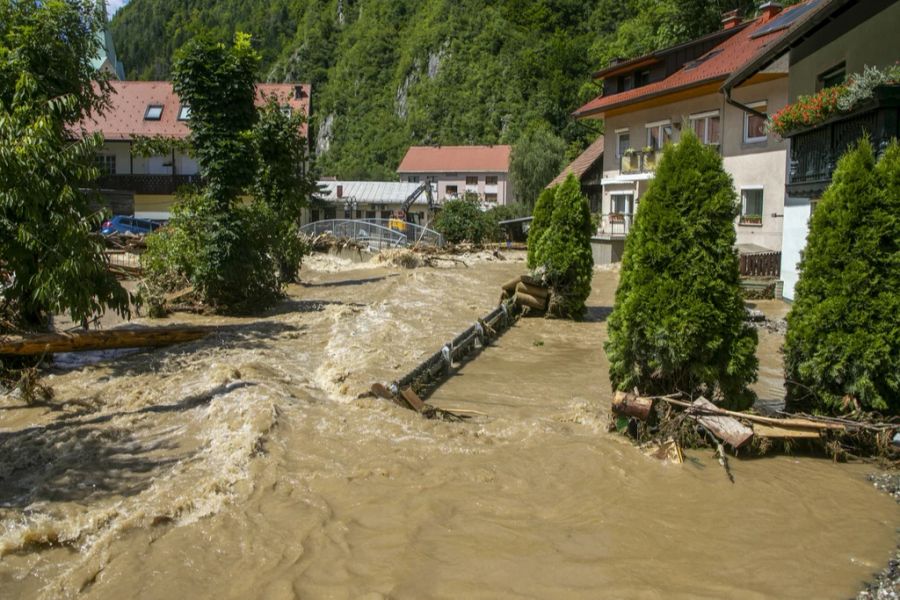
[580, 165]
[455, 159]
[124, 119]
[716, 65]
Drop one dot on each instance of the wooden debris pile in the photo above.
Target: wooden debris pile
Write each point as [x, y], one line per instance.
[661, 422]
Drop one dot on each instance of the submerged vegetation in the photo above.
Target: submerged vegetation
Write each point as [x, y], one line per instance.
[561, 253]
[678, 320]
[842, 350]
[235, 253]
[50, 261]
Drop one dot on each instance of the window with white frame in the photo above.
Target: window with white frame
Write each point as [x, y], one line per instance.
[658, 134]
[623, 142]
[106, 163]
[755, 125]
[751, 206]
[621, 204]
[707, 126]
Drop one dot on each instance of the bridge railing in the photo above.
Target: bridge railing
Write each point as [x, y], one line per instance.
[378, 233]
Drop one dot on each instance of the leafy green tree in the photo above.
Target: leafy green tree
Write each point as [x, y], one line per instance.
[563, 251]
[842, 349]
[282, 181]
[678, 320]
[49, 257]
[537, 157]
[543, 210]
[463, 220]
[225, 247]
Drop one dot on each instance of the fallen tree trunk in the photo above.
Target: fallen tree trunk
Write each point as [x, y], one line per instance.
[530, 301]
[510, 286]
[629, 405]
[107, 339]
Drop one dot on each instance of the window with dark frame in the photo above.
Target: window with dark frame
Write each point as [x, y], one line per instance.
[623, 143]
[834, 76]
[490, 180]
[451, 189]
[153, 113]
[490, 197]
[184, 113]
[471, 180]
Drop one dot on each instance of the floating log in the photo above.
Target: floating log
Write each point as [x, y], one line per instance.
[532, 290]
[629, 405]
[723, 427]
[530, 301]
[107, 339]
[779, 422]
[510, 286]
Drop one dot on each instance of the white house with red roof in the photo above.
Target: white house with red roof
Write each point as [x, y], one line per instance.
[151, 109]
[457, 170]
[651, 100]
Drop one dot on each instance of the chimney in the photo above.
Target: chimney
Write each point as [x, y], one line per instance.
[768, 11]
[340, 191]
[730, 19]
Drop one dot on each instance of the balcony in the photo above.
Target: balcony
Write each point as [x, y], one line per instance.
[615, 225]
[147, 184]
[636, 162]
[815, 151]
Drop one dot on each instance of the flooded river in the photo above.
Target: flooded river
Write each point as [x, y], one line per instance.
[247, 466]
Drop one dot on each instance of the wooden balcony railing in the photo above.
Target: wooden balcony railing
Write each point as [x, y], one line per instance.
[147, 184]
[815, 151]
[761, 264]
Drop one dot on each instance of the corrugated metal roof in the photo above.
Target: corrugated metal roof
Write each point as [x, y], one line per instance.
[371, 192]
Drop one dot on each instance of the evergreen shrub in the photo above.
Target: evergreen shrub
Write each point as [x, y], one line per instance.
[678, 322]
[842, 350]
[543, 210]
[563, 251]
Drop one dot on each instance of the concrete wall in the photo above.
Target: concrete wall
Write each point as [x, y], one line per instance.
[871, 43]
[503, 189]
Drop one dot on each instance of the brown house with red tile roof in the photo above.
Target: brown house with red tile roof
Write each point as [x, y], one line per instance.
[456, 170]
[148, 109]
[650, 100]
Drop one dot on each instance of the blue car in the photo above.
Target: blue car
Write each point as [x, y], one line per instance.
[122, 224]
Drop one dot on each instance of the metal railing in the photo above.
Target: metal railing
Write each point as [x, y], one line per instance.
[616, 224]
[377, 233]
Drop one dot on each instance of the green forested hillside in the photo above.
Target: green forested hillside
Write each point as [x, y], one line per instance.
[390, 73]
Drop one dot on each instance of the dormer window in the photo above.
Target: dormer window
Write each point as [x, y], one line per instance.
[184, 113]
[154, 112]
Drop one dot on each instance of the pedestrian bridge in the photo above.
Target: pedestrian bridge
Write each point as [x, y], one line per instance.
[376, 233]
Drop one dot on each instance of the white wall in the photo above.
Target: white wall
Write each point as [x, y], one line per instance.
[502, 189]
[796, 227]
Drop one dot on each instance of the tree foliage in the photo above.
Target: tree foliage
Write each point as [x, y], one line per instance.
[543, 210]
[842, 349]
[50, 259]
[537, 157]
[236, 253]
[563, 252]
[678, 323]
[463, 220]
[388, 74]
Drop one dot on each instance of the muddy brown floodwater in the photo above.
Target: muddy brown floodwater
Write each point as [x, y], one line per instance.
[245, 466]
